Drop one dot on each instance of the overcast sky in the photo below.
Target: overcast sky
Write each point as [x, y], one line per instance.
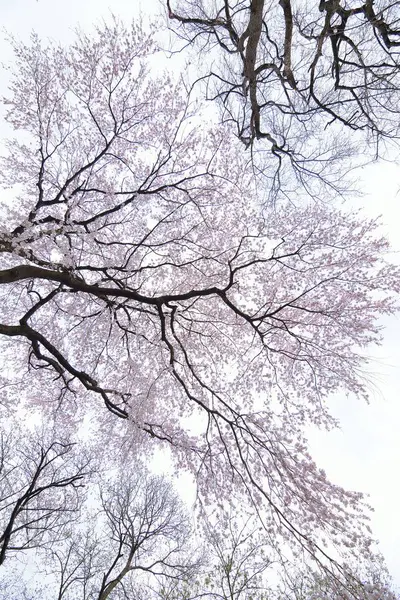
[365, 454]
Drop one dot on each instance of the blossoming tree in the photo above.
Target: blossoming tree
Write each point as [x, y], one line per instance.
[144, 281]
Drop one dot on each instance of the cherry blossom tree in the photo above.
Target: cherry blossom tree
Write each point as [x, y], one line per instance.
[372, 583]
[142, 272]
[239, 569]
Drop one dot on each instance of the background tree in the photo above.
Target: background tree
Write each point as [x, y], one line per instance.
[237, 566]
[40, 490]
[298, 75]
[148, 527]
[370, 582]
[117, 550]
[138, 270]
[239, 549]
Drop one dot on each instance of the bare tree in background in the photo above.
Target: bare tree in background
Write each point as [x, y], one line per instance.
[298, 74]
[40, 490]
[118, 550]
[139, 273]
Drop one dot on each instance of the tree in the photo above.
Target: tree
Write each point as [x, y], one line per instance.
[39, 482]
[237, 565]
[297, 76]
[241, 566]
[370, 582]
[141, 532]
[140, 271]
[148, 527]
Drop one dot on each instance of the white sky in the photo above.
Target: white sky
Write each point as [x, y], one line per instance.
[365, 454]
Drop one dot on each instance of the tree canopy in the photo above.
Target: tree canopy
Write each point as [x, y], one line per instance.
[149, 289]
[312, 85]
